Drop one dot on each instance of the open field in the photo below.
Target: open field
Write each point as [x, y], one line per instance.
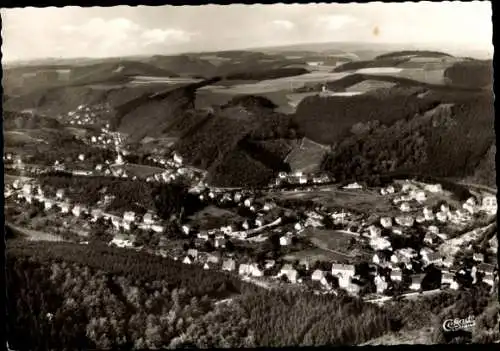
[318, 254]
[141, 171]
[213, 217]
[360, 200]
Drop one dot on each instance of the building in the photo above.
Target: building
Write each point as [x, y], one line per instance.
[177, 159]
[416, 281]
[353, 186]
[489, 204]
[396, 275]
[381, 284]
[386, 222]
[449, 279]
[229, 265]
[148, 219]
[60, 194]
[65, 206]
[285, 240]
[405, 207]
[433, 188]
[479, 257]
[374, 231]
[442, 217]
[257, 271]
[129, 216]
[245, 269]
[405, 221]
[193, 253]
[432, 258]
[185, 229]
[157, 228]
[48, 204]
[289, 272]
[187, 260]
[380, 243]
[318, 275]
[259, 222]
[344, 273]
[380, 258]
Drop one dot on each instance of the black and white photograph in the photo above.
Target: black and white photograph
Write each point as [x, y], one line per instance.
[247, 176]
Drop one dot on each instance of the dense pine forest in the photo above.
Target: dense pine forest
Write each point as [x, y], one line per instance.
[66, 296]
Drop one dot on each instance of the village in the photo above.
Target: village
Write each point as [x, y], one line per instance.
[414, 249]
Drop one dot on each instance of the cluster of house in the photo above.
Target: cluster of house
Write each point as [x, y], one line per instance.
[87, 115]
[105, 138]
[299, 177]
[31, 192]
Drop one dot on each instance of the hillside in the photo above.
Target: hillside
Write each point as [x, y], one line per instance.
[449, 140]
[327, 119]
[151, 114]
[102, 297]
[473, 73]
[244, 142]
[413, 53]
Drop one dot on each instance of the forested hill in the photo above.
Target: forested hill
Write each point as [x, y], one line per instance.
[224, 144]
[151, 114]
[63, 295]
[449, 140]
[73, 296]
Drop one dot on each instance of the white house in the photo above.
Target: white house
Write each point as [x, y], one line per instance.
[285, 240]
[448, 278]
[489, 204]
[405, 221]
[433, 188]
[245, 225]
[416, 281]
[396, 275]
[380, 243]
[237, 197]
[298, 226]
[248, 202]
[445, 208]
[386, 222]
[244, 269]
[344, 273]
[441, 217]
[148, 219]
[77, 210]
[259, 222]
[269, 264]
[479, 257]
[318, 275]
[60, 194]
[353, 186]
[290, 273]
[374, 231]
[129, 216]
[186, 230]
[193, 253]
[229, 265]
[428, 214]
[220, 242]
[157, 228]
[187, 260]
[405, 207]
[381, 284]
[177, 159]
[256, 271]
[65, 206]
[81, 157]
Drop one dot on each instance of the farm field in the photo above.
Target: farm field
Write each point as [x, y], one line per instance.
[141, 171]
[213, 217]
[360, 200]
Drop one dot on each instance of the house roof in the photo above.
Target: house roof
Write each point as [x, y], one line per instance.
[342, 267]
[287, 267]
[486, 267]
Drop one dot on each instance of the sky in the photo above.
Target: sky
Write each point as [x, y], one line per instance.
[31, 33]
